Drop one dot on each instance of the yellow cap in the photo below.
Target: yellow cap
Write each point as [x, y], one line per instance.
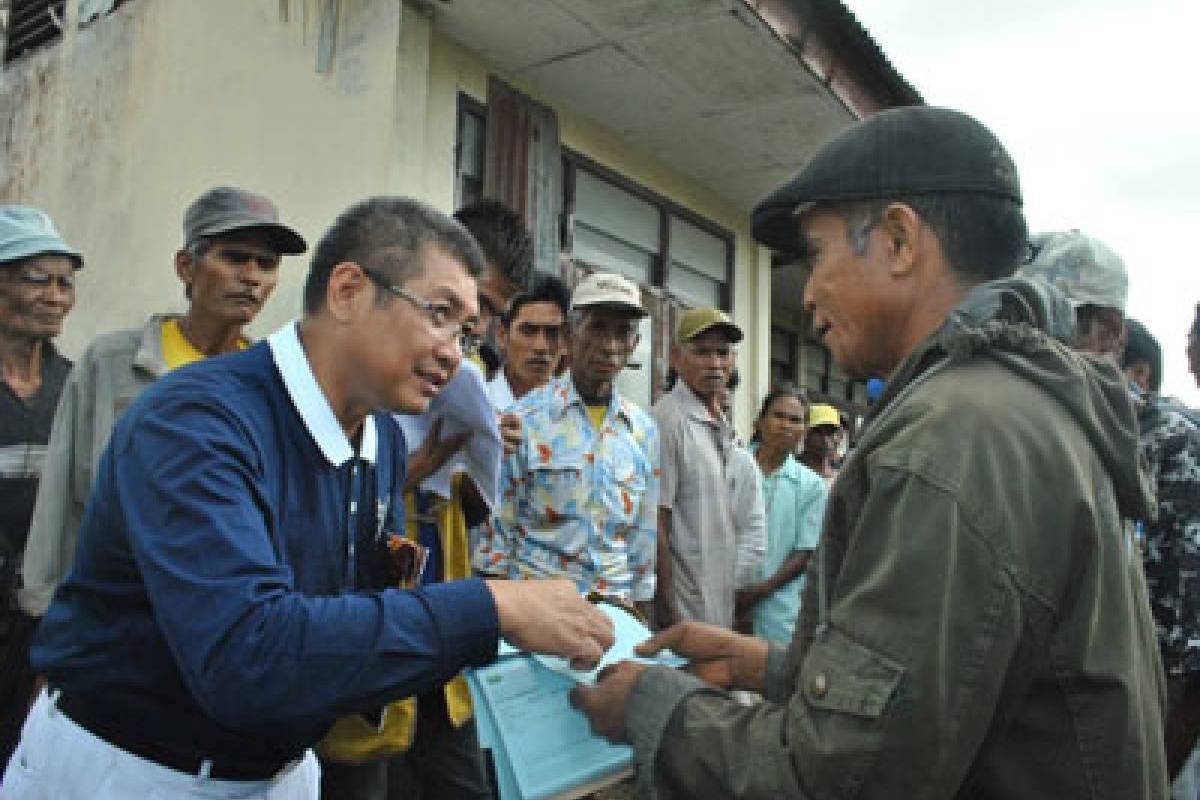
[822, 414]
[696, 321]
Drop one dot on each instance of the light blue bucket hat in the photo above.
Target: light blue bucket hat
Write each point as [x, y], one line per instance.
[27, 231]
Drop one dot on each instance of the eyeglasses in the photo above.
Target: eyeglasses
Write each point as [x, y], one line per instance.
[40, 279]
[441, 315]
[792, 418]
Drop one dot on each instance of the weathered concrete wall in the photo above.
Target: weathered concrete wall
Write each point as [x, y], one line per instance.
[113, 131]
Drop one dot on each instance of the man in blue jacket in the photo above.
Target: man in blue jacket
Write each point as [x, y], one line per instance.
[227, 602]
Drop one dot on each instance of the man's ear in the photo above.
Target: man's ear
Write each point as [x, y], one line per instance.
[349, 293]
[185, 267]
[904, 237]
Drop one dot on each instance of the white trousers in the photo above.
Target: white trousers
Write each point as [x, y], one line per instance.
[58, 760]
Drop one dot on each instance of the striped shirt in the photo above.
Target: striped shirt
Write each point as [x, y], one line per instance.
[24, 431]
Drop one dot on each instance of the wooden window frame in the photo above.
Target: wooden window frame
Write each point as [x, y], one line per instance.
[466, 105]
[573, 160]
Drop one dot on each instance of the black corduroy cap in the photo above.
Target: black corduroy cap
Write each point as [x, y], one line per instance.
[901, 151]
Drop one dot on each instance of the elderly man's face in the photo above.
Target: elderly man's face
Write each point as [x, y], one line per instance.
[231, 278]
[849, 296]
[705, 363]
[36, 294]
[600, 346]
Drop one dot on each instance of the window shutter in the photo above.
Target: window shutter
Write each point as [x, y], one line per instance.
[523, 165]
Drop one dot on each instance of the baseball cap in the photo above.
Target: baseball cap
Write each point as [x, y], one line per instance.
[27, 231]
[226, 209]
[900, 151]
[608, 289]
[822, 414]
[696, 321]
[1085, 270]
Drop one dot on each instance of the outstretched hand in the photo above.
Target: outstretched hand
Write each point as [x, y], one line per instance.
[550, 616]
[604, 703]
[716, 655]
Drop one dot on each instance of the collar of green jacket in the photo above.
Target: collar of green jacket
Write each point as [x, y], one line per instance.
[1026, 327]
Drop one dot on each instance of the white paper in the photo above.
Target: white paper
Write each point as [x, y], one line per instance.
[463, 404]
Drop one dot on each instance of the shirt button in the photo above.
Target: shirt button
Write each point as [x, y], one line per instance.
[820, 685]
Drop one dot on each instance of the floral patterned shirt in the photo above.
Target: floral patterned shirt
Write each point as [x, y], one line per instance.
[577, 501]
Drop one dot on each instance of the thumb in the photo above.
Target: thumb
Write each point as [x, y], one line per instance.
[578, 696]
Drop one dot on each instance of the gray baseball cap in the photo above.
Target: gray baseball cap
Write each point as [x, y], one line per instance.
[226, 209]
[1085, 270]
[27, 231]
[901, 151]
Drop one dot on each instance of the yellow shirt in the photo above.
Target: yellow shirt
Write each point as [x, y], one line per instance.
[177, 350]
[596, 415]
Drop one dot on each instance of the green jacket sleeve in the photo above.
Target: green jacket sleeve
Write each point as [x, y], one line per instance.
[891, 698]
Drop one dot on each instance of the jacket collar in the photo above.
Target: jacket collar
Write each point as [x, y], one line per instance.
[311, 403]
[149, 357]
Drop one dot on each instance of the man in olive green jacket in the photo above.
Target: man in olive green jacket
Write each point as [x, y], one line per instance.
[977, 625]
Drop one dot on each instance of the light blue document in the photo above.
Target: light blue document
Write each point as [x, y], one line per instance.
[543, 748]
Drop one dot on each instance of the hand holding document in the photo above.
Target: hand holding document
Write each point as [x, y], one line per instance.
[463, 406]
[542, 747]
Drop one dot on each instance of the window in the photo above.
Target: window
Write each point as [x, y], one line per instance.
[470, 152]
[680, 260]
[783, 356]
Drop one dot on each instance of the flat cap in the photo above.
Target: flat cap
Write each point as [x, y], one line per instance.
[900, 151]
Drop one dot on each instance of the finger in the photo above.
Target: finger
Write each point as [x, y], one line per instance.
[588, 656]
[670, 639]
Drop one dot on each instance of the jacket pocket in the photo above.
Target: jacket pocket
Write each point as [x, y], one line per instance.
[847, 689]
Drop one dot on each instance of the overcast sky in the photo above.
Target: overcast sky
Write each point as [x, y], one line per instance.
[1095, 99]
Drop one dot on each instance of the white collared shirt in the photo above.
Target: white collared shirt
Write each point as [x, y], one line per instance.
[311, 403]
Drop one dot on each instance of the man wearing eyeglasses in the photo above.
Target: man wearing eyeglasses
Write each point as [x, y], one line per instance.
[234, 588]
[37, 291]
[228, 265]
[579, 497]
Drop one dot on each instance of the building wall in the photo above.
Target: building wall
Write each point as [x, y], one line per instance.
[456, 69]
[114, 129]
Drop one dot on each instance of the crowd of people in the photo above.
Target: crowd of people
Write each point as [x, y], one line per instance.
[239, 569]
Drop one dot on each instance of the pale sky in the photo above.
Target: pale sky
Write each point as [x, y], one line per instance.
[1094, 99]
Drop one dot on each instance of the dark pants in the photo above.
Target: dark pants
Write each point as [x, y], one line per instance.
[16, 677]
[444, 763]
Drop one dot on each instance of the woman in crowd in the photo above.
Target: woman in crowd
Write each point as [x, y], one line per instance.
[795, 506]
